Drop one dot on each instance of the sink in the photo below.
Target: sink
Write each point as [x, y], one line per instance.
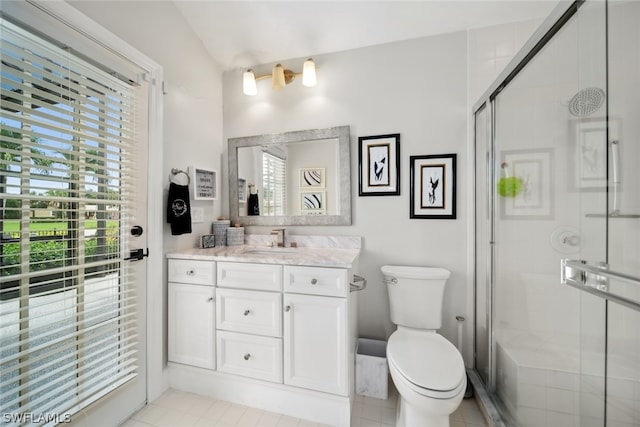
[270, 251]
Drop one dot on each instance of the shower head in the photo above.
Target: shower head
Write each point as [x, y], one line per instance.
[586, 102]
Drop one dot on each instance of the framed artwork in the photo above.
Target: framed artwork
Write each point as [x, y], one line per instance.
[313, 203]
[204, 183]
[379, 165]
[534, 196]
[242, 190]
[592, 140]
[312, 178]
[433, 186]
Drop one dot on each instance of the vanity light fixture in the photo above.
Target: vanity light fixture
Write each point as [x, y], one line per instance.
[280, 77]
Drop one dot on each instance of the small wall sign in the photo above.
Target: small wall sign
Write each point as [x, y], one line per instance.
[204, 183]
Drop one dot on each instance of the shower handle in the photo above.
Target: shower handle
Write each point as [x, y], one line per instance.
[615, 171]
[595, 280]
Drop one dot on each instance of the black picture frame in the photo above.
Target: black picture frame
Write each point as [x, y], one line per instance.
[433, 186]
[379, 165]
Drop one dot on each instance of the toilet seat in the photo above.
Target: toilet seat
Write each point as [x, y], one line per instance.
[429, 364]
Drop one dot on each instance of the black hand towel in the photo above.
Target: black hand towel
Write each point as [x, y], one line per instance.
[253, 205]
[179, 209]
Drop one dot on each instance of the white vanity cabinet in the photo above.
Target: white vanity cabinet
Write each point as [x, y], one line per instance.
[278, 333]
[191, 313]
[316, 328]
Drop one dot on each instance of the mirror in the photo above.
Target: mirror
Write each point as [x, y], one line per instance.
[291, 178]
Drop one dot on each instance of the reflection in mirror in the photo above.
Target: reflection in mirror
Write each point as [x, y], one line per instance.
[293, 178]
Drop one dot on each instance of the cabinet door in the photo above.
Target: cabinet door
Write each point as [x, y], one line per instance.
[191, 325]
[315, 343]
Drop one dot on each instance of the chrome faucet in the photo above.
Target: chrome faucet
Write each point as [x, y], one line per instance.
[279, 232]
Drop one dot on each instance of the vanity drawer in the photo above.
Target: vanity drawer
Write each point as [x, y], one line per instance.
[192, 271]
[252, 312]
[262, 277]
[316, 281]
[250, 355]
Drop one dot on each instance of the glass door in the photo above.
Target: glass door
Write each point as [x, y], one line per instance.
[72, 305]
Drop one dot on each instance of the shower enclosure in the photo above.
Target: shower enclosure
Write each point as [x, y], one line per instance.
[557, 168]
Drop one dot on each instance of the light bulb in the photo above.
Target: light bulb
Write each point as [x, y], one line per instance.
[278, 77]
[249, 83]
[309, 73]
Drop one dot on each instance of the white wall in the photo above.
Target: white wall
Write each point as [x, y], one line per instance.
[417, 88]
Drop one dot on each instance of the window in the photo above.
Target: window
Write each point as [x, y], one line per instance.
[67, 310]
[274, 172]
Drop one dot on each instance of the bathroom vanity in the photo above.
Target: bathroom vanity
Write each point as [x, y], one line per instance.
[272, 328]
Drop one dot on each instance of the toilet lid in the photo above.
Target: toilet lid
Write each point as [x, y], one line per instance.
[427, 360]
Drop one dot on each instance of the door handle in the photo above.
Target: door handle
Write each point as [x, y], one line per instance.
[136, 254]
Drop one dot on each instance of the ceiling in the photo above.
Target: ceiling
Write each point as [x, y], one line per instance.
[240, 33]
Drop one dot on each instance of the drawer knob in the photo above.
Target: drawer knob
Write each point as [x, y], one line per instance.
[247, 312]
[209, 299]
[247, 356]
[287, 308]
[314, 281]
[190, 272]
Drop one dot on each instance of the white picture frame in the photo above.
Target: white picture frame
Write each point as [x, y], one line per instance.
[204, 183]
[592, 151]
[534, 169]
[242, 190]
[313, 202]
[312, 178]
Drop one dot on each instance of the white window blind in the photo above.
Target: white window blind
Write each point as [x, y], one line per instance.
[274, 189]
[67, 308]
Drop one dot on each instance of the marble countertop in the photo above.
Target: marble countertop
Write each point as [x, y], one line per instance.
[308, 253]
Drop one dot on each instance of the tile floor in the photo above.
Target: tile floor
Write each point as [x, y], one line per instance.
[179, 409]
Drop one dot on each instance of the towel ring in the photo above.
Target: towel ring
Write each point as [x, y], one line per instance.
[175, 172]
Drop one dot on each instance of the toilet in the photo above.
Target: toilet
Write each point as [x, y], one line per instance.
[427, 369]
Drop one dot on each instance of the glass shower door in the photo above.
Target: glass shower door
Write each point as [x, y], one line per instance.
[607, 175]
[550, 204]
[558, 173]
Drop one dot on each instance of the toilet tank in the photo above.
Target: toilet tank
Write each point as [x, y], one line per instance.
[415, 295]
